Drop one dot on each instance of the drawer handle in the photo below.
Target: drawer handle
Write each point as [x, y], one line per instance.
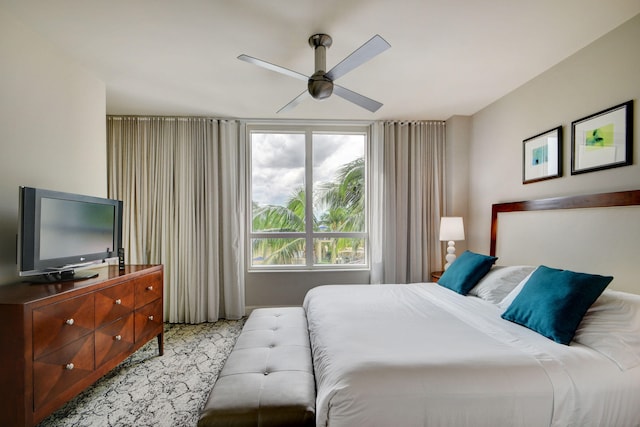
[150, 317]
[149, 288]
[70, 322]
[118, 337]
[118, 301]
[69, 366]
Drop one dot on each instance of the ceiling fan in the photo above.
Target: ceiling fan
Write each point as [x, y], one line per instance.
[320, 85]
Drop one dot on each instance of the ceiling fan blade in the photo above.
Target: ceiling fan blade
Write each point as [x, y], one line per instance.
[273, 67]
[297, 100]
[356, 98]
[375, 46]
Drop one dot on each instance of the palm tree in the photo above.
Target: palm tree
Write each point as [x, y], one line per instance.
[281, 218]
[334, 220]
[275, 218]
[342, 202]
[346, 193]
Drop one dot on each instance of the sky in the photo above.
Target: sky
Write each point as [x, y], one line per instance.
[278, 162]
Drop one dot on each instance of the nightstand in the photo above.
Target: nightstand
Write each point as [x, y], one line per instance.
[435, 275]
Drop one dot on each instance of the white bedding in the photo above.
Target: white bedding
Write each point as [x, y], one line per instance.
[420, 354]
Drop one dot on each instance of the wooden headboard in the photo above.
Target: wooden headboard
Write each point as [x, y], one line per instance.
[571, 223]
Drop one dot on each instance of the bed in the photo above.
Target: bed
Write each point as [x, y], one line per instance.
[423, 354]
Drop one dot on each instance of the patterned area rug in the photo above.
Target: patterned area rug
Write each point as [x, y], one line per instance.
[149, 390]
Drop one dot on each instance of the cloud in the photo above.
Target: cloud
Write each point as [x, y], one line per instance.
[271, 186]
[277, 150]
[278, 161]
[330, 152]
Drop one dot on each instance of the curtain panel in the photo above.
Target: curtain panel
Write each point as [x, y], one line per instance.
[181, 181]
[407, 200]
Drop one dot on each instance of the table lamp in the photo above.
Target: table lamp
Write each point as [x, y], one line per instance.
[451, 229]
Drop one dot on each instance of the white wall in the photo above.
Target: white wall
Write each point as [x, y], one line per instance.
[278, 288]
[52, 127]
[457, 173]
[601, 75]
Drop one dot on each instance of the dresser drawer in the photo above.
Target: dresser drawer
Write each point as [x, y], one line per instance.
[57, 372]
[114, 339]
[148, 288]
[114, 302]
[149, 320]
[55, 325]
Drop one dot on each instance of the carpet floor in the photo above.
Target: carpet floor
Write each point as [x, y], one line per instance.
[151, 390]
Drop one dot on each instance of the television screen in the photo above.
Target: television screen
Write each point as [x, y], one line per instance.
[69, 227]
[59, 231]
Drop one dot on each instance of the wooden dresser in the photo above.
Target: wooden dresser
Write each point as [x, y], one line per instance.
[57, 339]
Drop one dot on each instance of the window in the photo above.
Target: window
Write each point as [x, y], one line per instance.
[308, 197]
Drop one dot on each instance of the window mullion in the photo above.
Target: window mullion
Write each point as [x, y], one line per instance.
[309, 195]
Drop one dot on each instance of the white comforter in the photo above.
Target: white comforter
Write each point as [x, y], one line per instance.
[422, 355]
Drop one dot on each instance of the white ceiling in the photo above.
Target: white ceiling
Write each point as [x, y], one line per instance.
[448, 57]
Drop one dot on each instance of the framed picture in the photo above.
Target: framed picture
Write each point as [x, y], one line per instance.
[603, 140]
[542, 156]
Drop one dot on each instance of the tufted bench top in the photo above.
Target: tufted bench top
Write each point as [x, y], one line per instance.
[268, 378]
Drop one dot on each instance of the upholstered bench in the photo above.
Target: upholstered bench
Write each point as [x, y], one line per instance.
[268, 378]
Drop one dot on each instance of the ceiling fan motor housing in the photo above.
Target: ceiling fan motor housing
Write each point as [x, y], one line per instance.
[320, 86]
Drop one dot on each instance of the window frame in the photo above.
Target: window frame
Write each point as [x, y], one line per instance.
[308, 129]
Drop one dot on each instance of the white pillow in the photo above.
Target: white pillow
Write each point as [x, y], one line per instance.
[499, 281]
[506, 302]
[611, 327]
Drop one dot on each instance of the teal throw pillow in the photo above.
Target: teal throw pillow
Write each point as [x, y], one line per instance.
[466, 271]
[553, 302]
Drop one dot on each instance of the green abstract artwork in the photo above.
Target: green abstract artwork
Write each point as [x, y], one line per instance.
[540, 155]
[600, 137]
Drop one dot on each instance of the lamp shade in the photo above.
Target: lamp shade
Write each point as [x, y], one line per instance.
[451, 228]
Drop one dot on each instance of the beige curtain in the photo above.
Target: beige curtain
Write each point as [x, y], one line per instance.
[407, 186]
[180, 181]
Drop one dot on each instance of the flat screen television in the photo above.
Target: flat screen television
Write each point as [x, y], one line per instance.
[59, 232]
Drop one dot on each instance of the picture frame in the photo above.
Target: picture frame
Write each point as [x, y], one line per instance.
[542, 156]
[603, 140]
